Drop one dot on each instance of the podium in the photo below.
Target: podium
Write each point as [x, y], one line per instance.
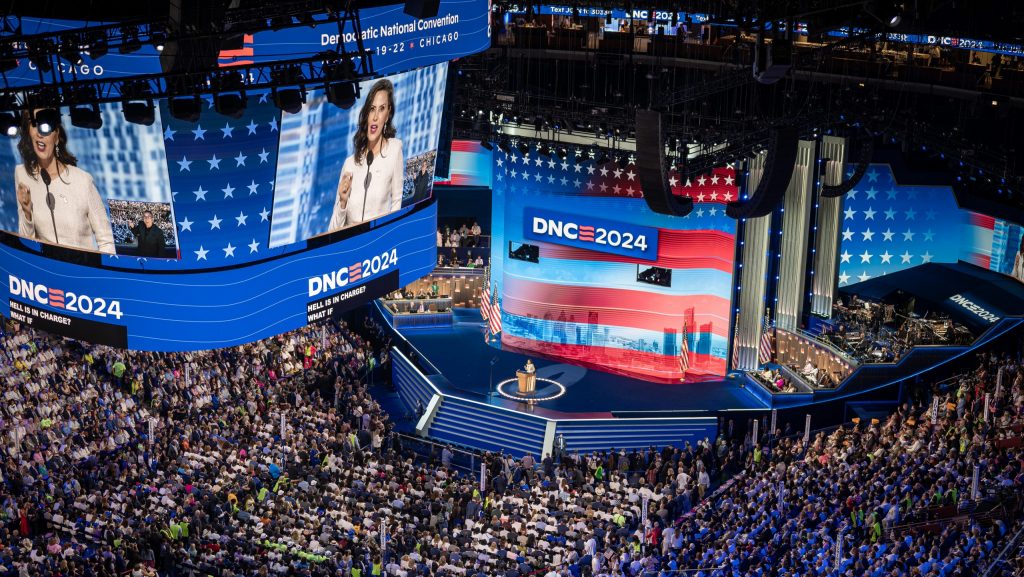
[527, 382]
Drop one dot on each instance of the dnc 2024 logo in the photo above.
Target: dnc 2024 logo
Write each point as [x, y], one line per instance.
[591, 233]
[65, 300]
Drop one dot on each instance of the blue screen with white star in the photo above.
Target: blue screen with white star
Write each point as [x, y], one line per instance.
[887, 227]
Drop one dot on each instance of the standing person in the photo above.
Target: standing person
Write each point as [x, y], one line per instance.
[371, 179]
[422, 182]
[149, 236]
[49, 181]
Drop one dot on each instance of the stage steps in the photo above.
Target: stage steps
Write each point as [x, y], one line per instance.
[587, 435]
[412, 386]
[487, 427]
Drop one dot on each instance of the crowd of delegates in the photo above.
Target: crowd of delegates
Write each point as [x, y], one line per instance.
[878, 332]
[272, 459]
[127, 215]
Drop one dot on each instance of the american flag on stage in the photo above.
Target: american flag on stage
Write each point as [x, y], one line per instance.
[684, 352]
[765, 350]
[491, 311]
[736, 342]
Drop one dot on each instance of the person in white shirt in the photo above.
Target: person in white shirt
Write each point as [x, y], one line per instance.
[371, 179]
[78, 218]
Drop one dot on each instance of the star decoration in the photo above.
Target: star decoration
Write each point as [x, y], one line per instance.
[241, 218]
[201, 253]
[214, 222]
[199, 133]
[186, 225]
[229, 250]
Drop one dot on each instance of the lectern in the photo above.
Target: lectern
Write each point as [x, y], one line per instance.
[527, 382]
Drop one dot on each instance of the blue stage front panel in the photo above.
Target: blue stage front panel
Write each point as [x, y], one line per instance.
[219, 308]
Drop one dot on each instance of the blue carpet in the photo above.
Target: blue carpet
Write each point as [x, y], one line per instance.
[462, 356]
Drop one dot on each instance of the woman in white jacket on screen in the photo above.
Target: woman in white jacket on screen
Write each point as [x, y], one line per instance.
[371, 179]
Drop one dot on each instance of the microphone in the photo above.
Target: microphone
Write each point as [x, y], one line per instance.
[51, 202]
[366, 182]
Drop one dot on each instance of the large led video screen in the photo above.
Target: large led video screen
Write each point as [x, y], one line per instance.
[105, 191]
[196, 310]
[340, 167]
[589, 274]
[888, 226]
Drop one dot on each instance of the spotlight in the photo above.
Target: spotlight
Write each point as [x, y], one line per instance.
[623, 162]
[98, 46]
[289, 100]
[70, 51]
[504, 146]
[342, 94]
[39, 54]
[602, 158]
[545, 150]
[86, 117]
[143, 113]
[158, 39]
[563, 153]
[47, 120]
[131, 42]
[231, 104]
[9, 124]
[887, 12]
[487, 145]
[524, 148]
[186, 108]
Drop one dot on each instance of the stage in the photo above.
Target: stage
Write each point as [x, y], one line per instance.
[460, 354]
[444, 376]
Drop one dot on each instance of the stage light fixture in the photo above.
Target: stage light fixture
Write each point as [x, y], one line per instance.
[504, 146]
[342, 94]
[39, 52]
[143, 113]
[131, 42]
[289, 100]
[9, 124]
[623, 162]
[544, 150]
[602, 158]
[562, 153]
[487, 145]
[87, 117]
[524, 148]
[47, 120]
[231, 104]
[98, 45]
[71, 51]
[158, 39]
[187, 108]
